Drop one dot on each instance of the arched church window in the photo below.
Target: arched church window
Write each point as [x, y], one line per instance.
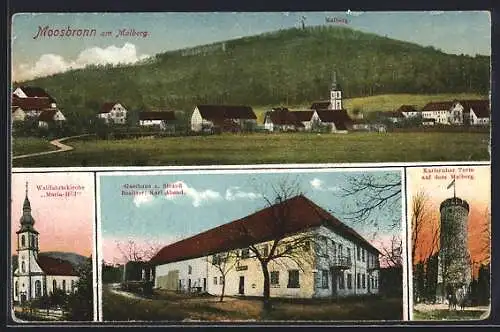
[23, 240]
[38, 288]
[23, 267]
[32, 240]
[54, 285]
[64, 285]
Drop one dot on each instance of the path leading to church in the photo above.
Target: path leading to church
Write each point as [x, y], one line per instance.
[61, 147]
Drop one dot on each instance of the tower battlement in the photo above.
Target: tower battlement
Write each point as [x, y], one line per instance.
[454, 201]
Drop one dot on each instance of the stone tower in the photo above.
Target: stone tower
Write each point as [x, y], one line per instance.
[454, 267]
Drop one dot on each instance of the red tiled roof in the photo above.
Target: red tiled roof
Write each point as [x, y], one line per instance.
[162, 115]
[106, 107]
[340, 118]
[211, 112]
[303, 115]
[407, 108]
[30, 103]
[481, 107]
[34, 91]
[47, 115]
[282, 116]
[56, 266]
[438, 106]
[300, 214]
[317, 105]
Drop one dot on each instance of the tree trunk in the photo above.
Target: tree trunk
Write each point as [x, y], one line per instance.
[223, 289]
[267, 287]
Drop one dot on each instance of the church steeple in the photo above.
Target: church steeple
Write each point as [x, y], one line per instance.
[27, 221]
[335, 94]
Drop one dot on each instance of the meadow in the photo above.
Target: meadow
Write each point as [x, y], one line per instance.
[269, 148]
[26, 145]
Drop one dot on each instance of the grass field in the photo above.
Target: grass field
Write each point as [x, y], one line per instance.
[385, 102]
[264, 148]
[26, 145]
[445, 314]
[175, 307]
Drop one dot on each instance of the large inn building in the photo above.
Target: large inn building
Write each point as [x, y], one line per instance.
[332, 259]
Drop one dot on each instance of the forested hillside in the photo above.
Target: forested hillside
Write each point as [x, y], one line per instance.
[287, 67]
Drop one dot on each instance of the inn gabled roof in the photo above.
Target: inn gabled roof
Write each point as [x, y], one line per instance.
[160, 115]
[438, 106]
[318, 105]
[213, 112]
[47, 115]
[36, 92]
[31, 103]
[56, 266]
[302, 214]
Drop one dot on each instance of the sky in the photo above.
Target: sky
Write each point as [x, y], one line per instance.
[472, 185]
[64, 223]
[209, 200]
[452, 32]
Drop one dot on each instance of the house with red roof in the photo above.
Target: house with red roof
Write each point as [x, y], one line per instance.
[113, 113]
[36, 274]
[335, 260]
[50, 116]
[226, 118]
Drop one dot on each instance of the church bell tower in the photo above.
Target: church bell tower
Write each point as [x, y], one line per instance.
[335, 94]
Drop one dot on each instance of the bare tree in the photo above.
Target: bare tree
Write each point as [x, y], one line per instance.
[419, 221]
[131, 251]
[224, 262]
[371, 194]
[392, 255]
[282, 248]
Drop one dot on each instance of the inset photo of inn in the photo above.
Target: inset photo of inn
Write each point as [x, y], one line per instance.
[260, 245]
[52, 241]
[450, 212]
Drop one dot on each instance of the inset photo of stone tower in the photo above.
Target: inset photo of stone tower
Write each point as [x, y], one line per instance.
[450, 221]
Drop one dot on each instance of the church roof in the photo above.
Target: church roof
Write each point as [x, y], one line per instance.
[302, 214]
[317, 105]
[27, 221]
[56, 266]
[36, 92]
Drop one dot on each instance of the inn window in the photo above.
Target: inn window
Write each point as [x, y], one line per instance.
[363, 278]
[358, 280]
[363, 255]
[64, 285]
[324, 278]
[349, 254]
[358, 253]
[221, 280]
[293, 279]
[190, 269]
[245, 253]
[340, 249]
[275, 277]
[349, 281]
[341, 280]
[54, 285]
[215, 280]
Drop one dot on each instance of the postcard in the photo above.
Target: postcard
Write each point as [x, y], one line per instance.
[252, 246]
[449, 209]
[219, 88]
[53, 247]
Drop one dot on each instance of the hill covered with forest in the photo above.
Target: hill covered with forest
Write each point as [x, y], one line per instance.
[288, 67]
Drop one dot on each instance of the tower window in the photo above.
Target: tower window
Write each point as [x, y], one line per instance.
[23, 267]
[23, 241]
[16, 289]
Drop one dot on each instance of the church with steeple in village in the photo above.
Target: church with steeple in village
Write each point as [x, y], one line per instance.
[37, 274]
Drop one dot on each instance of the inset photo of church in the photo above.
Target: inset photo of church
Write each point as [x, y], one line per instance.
[449, 208]
[257, 245]
[52, 245]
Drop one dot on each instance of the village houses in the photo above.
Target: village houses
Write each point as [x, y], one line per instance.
[332, 261]
[37, 275]
[159, 119]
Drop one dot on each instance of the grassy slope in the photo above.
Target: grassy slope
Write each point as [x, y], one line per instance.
[270, 148]
[26, 145]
